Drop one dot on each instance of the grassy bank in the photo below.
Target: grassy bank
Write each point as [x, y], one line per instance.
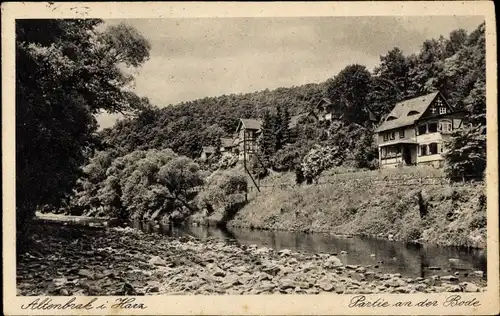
[385, 204]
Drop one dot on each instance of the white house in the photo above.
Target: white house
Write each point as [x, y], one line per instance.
[415, 131]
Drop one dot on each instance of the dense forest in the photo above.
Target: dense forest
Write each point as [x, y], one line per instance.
[146, 164]
[454, 65]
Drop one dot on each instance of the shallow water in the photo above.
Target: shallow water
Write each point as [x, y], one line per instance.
[381, 255]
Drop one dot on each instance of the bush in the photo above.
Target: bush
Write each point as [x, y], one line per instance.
[287, 158]
[223, 189]
[226, 162]
[139, 184]
[466, 155]
[321, 158]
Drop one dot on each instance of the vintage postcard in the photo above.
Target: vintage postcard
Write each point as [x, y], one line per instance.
[234, 158]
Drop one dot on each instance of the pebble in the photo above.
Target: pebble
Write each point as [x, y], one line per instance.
[132, 263]
[449, 278]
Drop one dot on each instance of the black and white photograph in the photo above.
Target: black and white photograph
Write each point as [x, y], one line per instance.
[251, 155]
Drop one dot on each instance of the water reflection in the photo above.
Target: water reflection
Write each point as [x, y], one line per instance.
[391, 257]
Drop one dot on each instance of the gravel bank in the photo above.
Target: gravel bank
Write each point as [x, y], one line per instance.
[74, 261]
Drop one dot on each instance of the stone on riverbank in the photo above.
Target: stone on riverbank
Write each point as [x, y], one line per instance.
[131, 263]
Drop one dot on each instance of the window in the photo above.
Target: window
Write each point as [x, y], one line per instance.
[423, 150]
[402, 133]
[441, 148]
[433, 148]
[422, 129]
[433, 127]
[386, 137]
[442, 110]
[445, 126]
[412, 113]
[392, 136]
[390, 118]
[383, 152]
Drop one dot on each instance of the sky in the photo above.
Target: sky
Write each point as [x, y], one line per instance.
[193, 58]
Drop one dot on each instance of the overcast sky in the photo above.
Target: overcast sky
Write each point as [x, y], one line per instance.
[196, 58]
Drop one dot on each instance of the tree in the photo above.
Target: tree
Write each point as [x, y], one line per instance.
[456, 41]
[466, 154]
[365, 150]
[223, 189]
[285, 127]
[180, 175]
[267, 142]
[320, 158]
[349, 90]
[390, 83]
[66, 71]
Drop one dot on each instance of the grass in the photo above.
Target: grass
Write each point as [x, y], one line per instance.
[374, 203]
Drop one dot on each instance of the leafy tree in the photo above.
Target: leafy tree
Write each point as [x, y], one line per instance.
[456, 41]
[180, 175]
[466, 154]
[267, 142]
[94, 174]
[66, 71]
[319, 159]
[349, 90]
[285, 127]
[390, 83]
[365, 150]
[223, 189]
[475, 103]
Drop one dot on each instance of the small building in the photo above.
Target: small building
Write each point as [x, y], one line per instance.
[247, 134]
[327, 113]
[227, 146]
[415, 130]
[207, 152]
[300, 118]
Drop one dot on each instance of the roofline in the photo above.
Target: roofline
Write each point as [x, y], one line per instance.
[377, 130]
[440, 115]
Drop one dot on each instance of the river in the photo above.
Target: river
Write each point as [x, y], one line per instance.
[410, 260]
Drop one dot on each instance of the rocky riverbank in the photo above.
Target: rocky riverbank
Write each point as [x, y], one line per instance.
[66, 260]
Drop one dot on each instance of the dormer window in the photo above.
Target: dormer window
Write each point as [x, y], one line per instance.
[413, 112]
[390, 118]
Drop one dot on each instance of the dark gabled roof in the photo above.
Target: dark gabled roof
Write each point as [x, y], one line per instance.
[399, 115]
[251, 123]
[324, 100]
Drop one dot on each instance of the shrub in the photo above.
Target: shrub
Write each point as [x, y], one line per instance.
[466, 155]
[223, 189]
[321, 158]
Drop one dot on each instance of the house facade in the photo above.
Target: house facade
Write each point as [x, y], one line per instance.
[227, 146]
[326, 111]
[415, 131]
[247, 135]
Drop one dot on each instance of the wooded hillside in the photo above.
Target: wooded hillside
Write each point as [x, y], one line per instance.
[455, 65]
